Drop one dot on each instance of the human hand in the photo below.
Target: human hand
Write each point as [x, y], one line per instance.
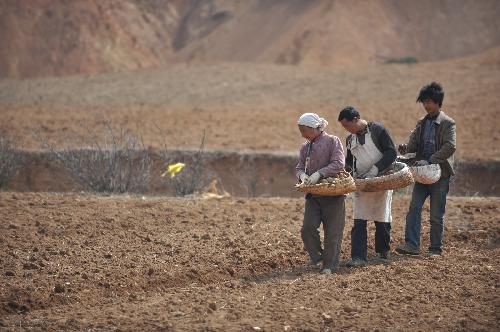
[403, 148]
[314, 178]
[303, 177]
[421, 163]
[373, 172]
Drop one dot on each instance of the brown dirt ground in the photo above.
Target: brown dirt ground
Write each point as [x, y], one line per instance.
[247, 106]
[85, 262]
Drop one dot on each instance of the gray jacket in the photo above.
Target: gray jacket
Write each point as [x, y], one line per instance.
[446, 143]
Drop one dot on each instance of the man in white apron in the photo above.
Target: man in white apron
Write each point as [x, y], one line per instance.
[370, 151]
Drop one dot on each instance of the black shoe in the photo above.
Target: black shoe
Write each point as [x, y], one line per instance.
[314, 262]
[356, 262]
[406, 249]
[434, 253]
[383, 257]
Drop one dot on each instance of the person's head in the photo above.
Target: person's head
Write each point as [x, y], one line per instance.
[311, 125]
[431, 96]
[350, 119]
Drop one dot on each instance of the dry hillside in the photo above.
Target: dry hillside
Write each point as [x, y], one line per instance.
[57, 37]
[249, 106]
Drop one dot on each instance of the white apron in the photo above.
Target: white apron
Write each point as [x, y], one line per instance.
[369, 205]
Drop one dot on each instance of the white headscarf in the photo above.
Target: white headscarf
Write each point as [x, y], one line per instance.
[312, 120]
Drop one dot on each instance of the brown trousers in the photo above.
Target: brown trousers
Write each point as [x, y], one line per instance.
[329, 210]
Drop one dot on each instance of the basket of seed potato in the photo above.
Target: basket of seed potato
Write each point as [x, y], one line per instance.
[339, 184]
[396, 177]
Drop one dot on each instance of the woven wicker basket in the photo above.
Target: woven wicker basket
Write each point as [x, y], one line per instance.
[427, 174]
[340, 184]
[399, 177]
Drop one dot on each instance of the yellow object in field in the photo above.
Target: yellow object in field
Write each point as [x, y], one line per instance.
[173, 169]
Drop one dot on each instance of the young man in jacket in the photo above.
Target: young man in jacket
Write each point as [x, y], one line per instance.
[434, 142]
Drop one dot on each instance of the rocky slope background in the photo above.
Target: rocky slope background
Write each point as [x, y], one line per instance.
[60, 37]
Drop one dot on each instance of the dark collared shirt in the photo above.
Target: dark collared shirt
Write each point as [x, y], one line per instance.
[429, 137]
[446, 142]
[383, 142]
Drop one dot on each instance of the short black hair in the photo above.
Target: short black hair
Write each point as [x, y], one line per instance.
[433, 91]
[349, 113]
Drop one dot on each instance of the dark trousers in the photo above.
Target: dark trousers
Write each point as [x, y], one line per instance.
[359, 238]
[437, 192]
[329, 210]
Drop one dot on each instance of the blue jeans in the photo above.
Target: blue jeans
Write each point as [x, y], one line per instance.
[359, 238]
[437, 193]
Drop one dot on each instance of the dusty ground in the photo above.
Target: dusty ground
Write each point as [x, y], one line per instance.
[248, 106]
[84, 262]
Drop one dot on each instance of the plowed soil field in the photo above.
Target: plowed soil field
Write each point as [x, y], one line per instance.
[101, 263]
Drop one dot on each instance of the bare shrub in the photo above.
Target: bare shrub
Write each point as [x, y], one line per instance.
[116, 163]
[247, 172]
[195, 175]
[11, 159]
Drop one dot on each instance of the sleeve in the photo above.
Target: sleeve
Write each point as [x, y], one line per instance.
[413, 141]
[349, 158]
[386, 146]
[302, 161]
[448, 147]
[337, 159]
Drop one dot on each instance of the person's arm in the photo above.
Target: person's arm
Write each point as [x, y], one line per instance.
[337, 159]
[414, 138]
[386, 146]
[349, 158]
[299, 168]
[449, 146]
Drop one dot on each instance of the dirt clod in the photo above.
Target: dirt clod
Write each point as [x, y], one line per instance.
[58, 288]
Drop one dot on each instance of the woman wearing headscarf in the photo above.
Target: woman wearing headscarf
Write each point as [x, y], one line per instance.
[321, 156]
